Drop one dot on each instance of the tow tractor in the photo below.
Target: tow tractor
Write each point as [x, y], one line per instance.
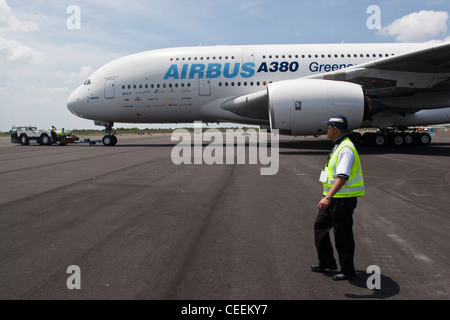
[26, 134]
[91, 142]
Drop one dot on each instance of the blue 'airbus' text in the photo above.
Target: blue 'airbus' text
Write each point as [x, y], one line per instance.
[227, 70]
[210, 71]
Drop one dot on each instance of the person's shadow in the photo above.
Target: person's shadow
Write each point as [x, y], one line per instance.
[388, 287]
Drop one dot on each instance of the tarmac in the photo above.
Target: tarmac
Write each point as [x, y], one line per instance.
[137, 226]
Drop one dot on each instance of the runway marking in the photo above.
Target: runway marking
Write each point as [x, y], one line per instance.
[405, 246]
[423, 258]
[3, 198]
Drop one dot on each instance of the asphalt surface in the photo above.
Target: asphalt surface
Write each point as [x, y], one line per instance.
[140, 227]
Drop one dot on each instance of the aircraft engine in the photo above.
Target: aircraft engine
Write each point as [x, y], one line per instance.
[298, 107]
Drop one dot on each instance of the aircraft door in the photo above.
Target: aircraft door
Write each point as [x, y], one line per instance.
[249, 55]
[109, 88]
[204, 87]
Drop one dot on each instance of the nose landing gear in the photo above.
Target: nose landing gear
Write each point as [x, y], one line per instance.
[110, 138]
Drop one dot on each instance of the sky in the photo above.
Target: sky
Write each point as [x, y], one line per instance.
[50, 47]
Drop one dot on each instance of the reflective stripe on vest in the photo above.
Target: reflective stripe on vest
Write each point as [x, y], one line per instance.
[354, 186]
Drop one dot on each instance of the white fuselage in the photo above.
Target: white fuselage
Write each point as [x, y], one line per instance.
[182, 85]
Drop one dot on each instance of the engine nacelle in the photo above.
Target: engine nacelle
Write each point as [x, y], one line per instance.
[298, 107]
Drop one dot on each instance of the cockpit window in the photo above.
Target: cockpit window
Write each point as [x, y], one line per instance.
[87, 82]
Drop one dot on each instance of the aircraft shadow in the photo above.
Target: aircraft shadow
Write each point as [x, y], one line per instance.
[324, 147]
[433, 149]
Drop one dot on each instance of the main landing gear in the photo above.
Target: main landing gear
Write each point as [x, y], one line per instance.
[394, 137]
[110, 138]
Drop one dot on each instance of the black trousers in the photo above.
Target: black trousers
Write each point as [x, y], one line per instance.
[339, 216]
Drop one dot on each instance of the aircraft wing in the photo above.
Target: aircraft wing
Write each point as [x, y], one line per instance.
[400, 75]
[434, 59]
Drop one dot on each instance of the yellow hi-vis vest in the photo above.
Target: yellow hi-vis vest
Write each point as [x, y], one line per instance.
[354, 186]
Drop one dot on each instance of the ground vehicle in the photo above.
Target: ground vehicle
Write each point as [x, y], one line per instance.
[26, 134]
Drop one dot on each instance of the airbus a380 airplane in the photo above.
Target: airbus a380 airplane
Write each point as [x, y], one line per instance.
[292, 88]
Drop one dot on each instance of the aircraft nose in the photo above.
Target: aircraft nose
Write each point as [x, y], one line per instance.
[74, 103]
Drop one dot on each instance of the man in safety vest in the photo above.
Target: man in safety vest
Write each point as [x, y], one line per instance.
[54, 136]
[343, 182]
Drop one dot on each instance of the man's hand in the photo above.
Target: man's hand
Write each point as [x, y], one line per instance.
[324, 203]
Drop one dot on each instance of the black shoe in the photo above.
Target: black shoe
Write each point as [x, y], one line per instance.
[320, 268]
[342, 276]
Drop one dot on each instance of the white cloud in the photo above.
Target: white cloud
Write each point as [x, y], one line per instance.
[418, 26]
[254, 8]
[12, 51]
[10, 23]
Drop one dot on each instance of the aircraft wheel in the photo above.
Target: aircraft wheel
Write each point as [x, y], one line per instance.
[397, 140]
[368, 138]
[379, 140]
[356, 137]
[407, 138]
[424, 138]
[109, 140]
